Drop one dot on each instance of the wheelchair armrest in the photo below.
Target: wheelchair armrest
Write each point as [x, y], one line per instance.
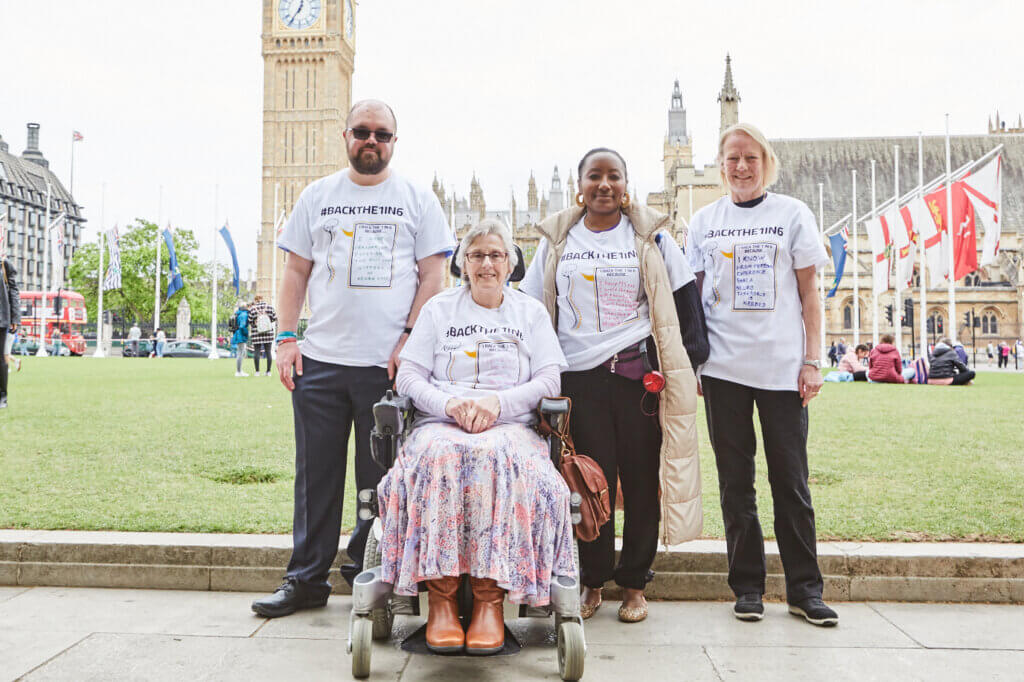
[554, 406]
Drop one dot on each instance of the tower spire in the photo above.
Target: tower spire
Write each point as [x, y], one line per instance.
[729, 98]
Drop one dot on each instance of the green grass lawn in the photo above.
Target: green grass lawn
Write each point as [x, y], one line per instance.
[183, 445]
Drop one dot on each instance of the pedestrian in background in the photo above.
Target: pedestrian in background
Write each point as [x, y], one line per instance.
[161, 340]
[990, 350]
[262, 317]
[134, 334]
[1004, 354]
[10, 317]
[240, 337]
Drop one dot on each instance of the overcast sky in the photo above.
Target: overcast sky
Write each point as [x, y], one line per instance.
[169, 94]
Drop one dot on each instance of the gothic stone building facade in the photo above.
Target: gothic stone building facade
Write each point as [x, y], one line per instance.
[995, 294]
[23, 198]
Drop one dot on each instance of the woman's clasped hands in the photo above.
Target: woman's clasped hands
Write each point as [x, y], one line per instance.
[474, 415]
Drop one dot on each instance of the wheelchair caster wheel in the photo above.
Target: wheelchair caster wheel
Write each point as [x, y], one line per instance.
[383, 618]
[362, 646]
[571, 650]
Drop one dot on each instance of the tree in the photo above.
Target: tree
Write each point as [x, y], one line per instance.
[138, 277]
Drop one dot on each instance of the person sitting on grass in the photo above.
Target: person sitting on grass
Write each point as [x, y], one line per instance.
[946, 368]
[853, 362]
[884, 363]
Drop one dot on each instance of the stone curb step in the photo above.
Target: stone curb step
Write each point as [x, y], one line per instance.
[942, 572]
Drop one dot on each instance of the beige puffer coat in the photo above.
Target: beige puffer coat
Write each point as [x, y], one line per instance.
[682, 516]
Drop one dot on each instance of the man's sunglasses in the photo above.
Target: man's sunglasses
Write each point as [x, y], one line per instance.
[364, 134]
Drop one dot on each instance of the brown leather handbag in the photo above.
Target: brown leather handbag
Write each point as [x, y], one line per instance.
[584, 476]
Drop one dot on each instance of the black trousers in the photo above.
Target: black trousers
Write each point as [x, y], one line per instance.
[259, 349]
[326, 401]
[3, 362]
[730, 413]
[961, 378]
[608, 425]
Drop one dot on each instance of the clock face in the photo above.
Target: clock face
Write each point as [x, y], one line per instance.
[299, 14]
[350, 19]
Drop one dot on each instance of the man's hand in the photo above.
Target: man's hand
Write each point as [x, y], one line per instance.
[13, 328]
[393, 361]
[288, 356]
[809, 383]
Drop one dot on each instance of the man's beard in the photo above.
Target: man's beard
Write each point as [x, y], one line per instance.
[368, 165]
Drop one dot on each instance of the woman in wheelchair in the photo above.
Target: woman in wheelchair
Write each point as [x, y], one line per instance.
[473, 490]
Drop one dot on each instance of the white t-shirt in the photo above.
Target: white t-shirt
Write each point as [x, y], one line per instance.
[750, 295]
[364, 243]
[602, 304]
[473, 351]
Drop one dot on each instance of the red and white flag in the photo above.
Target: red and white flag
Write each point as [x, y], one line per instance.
[927, 227]
[902, 232]
[878, 237]
[983, 190]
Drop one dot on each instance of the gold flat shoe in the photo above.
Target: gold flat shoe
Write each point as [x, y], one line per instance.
[632, 614]
[586, 610]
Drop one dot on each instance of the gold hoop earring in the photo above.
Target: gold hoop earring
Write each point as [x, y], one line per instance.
[579, 199]
[625, 200]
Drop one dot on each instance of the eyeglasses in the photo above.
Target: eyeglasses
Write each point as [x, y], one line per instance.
[364, 134]
[478, 256]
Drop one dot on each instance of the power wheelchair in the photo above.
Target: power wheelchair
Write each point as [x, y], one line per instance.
[374, 605]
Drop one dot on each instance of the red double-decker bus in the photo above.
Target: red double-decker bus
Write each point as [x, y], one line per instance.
[65, 318]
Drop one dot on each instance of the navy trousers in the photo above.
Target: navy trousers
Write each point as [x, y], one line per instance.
[327, 400]
[730, 413]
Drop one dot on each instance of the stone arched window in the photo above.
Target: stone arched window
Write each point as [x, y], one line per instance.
[937, 322]
[847, 316]
[988, 322]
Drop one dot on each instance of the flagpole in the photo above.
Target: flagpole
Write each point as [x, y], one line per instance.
[213, 315]
[71, 182]
[874, 293]
[949, 233]
[41, 353]
[856, 269]
[156, 289]
[99, 315]
[897, 308]
[922, 270]
[273, 252]
[821, 235]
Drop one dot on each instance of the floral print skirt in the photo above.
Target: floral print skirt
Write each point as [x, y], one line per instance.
[489, 504]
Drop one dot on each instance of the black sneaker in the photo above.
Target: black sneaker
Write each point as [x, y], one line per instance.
[289, 598]
[749, 607]
[814, 611]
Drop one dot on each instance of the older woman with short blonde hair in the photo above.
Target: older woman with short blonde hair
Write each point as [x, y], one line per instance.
[473, 490]
[755, 254]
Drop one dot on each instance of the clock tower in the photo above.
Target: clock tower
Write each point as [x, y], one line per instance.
[308, 59]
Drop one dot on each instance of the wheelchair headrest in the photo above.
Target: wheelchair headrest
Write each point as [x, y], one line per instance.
[517, 274]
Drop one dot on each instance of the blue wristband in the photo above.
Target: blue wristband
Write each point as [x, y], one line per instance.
[284, 335]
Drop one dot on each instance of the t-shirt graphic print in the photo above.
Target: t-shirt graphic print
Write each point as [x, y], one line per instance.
[364, 243]
[602, 304]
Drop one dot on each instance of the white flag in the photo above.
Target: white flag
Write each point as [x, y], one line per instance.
[112, 279]
[983, 189]
[878, 237]
[57, 251]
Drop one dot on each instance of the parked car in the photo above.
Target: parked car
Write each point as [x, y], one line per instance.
[145, 348]
[191, 349]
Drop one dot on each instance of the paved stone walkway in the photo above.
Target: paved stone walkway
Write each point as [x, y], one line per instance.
[59, 633]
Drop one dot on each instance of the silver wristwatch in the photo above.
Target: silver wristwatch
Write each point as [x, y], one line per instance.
[816, 364]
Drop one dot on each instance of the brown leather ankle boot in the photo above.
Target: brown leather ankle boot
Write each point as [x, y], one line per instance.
[444, 631]
[486, 634]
